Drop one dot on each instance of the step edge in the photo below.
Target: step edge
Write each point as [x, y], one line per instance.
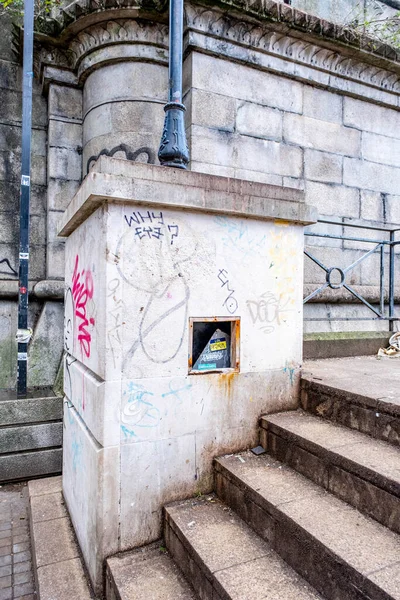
[307, 382]
[334, 456]
[301, 532]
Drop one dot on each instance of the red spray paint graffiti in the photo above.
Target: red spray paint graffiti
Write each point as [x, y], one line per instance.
[82, 291]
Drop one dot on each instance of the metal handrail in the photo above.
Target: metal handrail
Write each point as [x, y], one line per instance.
[380, 244]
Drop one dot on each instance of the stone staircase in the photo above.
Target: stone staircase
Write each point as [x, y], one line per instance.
[31, 431]
[316, 516]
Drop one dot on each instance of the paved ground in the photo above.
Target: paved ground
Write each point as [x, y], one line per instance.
[363, 375]
[16, 575]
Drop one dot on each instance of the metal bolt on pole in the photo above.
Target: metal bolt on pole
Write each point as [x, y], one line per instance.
[173, 151]
[23, 333]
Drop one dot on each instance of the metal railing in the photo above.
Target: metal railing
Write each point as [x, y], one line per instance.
[383, 311]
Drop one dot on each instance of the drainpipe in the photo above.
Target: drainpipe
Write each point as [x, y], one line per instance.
[173, 151]
[23, 333]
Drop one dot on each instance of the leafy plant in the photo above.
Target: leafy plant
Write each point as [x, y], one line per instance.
[370, 19]
[15, 9]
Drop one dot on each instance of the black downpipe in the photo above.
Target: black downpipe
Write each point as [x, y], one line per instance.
[173, 151]
[23, 334]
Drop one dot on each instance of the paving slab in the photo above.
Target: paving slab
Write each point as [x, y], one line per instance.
[48, 507]
[63, 581]
[59, 570]
[47, 485]
[16, 572]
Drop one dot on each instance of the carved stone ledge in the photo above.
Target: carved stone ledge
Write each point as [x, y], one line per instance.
[47, 55]
[267, 34]
[267, 38]
[116, 32]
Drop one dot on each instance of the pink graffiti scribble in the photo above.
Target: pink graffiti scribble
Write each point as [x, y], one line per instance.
[82, 291]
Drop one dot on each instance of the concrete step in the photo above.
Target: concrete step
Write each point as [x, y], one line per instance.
[358, 469]
[224, 559]
[362, 408]
[30, 435]
[342, 553]
[41, 406]
[20, 466]
[145, 574]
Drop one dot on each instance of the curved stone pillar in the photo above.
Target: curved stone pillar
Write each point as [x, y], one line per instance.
[123, 67]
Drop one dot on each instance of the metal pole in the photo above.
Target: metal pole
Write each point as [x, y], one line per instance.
[173, 151]
[23, 334]
[391, 281]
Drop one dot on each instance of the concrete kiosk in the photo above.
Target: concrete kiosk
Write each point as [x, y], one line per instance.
[156, 260]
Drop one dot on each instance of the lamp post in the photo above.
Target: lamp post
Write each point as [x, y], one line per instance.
[173, 151]
[23, 333]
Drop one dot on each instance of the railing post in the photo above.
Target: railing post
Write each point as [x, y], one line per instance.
[391, 281]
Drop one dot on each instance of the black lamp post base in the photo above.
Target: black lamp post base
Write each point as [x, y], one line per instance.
[173, 150]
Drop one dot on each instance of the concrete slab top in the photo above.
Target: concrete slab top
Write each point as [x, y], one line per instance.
[377, 379]
[147, 574]
[122, 181]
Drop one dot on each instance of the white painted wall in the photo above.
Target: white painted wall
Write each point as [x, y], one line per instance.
[134, 417]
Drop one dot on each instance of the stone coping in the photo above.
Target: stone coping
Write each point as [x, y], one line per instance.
[122, 181]
[48, 289]
[78, 15]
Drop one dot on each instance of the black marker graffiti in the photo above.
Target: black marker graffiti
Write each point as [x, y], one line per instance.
[163, 353]
[155, 230]
[230, 301]
[7, 262]
[130, 154]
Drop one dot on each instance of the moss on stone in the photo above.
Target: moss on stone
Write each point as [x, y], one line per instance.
[345, 335]
[8, 363]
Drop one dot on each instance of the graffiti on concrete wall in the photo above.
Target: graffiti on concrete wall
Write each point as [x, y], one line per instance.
[115, 316]
[79, 323]
[268, 310]
[144, 408]
[239, 239]
[148, 224]
[7, 269]
[230, 302]
[129, 154]
[156, 272]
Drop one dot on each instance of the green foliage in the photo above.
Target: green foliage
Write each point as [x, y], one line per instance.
[367, 19]
[15, 9]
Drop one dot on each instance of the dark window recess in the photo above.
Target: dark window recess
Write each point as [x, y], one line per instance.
[213, 344]
[216, 353]
[202, 333]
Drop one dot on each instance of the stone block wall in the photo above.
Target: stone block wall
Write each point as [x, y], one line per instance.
[343, 151]
[10, 173]
[264, 102]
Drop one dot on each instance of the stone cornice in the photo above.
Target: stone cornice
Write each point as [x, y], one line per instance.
[109, 33]
[122, 181]
[262, 33]
[81, 14]
[320, 63]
